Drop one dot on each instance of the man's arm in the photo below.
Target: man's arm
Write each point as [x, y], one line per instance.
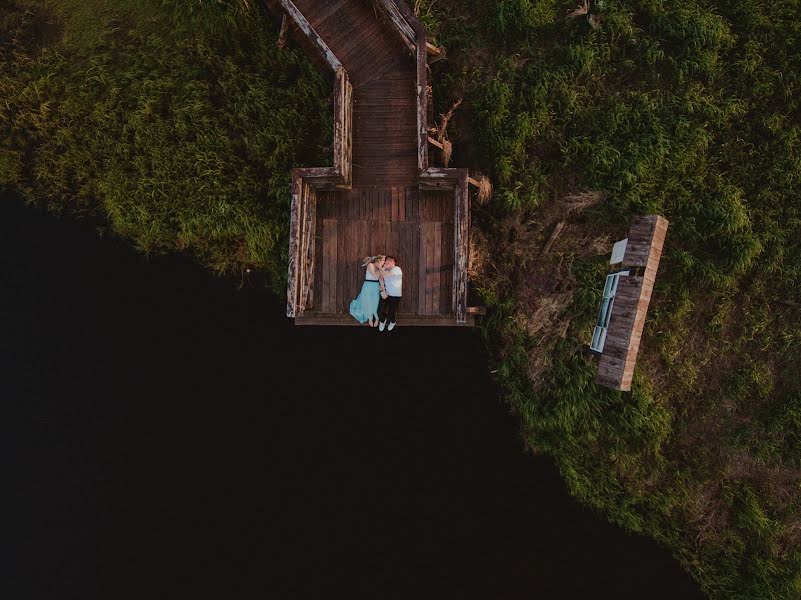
[393, 274]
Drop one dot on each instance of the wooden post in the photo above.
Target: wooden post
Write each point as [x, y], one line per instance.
[422, 102]
[461, 247]
[302, 249]
[294, 245]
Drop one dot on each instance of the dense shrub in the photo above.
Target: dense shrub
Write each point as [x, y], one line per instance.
[182, 143]
[690, 110]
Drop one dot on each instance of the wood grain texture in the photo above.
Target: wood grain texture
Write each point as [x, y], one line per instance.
[380, 194]
[630, 308]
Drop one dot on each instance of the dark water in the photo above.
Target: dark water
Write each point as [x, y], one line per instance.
[167, 436]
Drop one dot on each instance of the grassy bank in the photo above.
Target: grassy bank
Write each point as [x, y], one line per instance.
[177, 121]
[693, 112]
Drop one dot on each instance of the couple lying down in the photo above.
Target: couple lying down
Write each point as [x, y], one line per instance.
[377, 303]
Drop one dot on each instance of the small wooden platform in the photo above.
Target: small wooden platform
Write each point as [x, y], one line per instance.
[416, 227]
[380, 197]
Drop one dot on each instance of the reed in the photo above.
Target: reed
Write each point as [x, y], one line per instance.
[183, 143]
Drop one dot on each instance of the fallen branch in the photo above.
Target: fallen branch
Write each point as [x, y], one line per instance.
[442, 132]
[582, 9]
[554, 234]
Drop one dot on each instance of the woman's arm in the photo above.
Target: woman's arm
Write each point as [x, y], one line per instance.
[381, 273]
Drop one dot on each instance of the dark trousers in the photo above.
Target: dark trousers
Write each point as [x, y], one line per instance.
[388, 309]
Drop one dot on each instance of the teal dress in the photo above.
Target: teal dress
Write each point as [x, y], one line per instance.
[365, 306]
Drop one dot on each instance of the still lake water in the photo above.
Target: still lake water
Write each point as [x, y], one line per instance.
[165, 435]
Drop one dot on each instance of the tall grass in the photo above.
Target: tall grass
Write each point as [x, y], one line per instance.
[182, 143]
[690, 110]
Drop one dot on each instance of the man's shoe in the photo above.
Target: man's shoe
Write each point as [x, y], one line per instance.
[391, 326]
[381, 325]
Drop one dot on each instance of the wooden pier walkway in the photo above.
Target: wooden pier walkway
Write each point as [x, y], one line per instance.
[380, 196]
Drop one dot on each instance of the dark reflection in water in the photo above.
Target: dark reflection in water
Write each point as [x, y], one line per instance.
[167, 436]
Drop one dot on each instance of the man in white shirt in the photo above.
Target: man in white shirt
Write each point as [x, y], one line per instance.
[391, 281]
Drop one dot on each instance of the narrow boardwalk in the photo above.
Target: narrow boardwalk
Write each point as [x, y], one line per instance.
[386, 210]
[383, 76]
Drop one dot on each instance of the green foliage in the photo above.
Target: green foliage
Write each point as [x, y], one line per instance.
[516, 17]
[210, 15]
[183, 144]
[690, 111]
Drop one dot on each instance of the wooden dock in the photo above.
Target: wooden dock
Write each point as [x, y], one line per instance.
[380, 195]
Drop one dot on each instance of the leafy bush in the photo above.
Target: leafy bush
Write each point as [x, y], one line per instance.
[686, 110]
[183, 144]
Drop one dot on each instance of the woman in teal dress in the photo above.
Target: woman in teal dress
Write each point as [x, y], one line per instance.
[365, 307]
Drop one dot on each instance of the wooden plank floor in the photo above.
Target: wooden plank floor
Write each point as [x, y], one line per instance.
[385, 212]
[416, 227]
[384, 79]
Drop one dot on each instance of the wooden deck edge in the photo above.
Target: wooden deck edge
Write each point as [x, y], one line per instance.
[310, 34]
[342, 101]
[410, 321]
[398, 21]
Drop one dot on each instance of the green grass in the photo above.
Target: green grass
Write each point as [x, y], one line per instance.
[181, 136]
[690, 111]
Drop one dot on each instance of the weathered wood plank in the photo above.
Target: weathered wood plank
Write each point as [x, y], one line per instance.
[421, 269]
[401, 193]
[319, 260]
[309, 253]
[407, 321]
[314, 39]
[446, 271]
[339, 271]
[402, 28]
[436, 261]
[294, 245]
[393, 192]
[461, 247]
[329, 262]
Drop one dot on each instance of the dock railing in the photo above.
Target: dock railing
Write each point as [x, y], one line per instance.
[306, 181]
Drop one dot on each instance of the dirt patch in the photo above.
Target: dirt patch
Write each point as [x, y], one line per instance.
[544, 283]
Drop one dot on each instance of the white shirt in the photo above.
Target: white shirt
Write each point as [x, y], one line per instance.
[393, 282]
